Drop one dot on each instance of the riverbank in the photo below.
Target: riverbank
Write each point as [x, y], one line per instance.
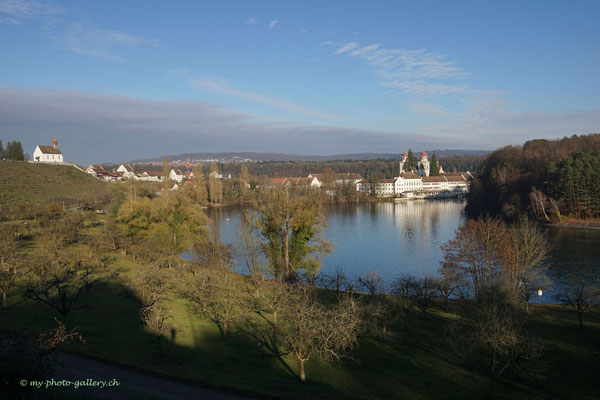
[577, 224]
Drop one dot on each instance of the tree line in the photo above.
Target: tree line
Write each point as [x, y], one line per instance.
[13, 151]
[545, 179]
[366, 168]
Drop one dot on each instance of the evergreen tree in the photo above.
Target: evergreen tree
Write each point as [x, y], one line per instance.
[374, 185]
[14, 151]
[411, 162]
[1, 150]
[434, 169]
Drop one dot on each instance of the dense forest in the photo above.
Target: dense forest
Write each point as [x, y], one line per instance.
[366, 168]
[548, 179]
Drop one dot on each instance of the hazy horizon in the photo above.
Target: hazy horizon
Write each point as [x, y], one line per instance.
[117, 81]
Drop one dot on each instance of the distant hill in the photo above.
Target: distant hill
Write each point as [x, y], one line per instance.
[23, 182]
[253, 157]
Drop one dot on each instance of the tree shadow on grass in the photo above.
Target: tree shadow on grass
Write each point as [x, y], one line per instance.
[113, 331]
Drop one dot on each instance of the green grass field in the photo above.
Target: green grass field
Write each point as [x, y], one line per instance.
[413, 362]
[23, 182]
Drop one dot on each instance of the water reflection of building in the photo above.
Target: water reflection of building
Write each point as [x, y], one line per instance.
[423, 218]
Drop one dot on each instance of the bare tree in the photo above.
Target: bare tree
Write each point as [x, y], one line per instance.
[271, 300]
[63, 285]
[214, 294]
[21, 358]
[532, 282]
[372, 281]
[10, 269]
[150, 284]
[308, 328]
[420, 290]
[213, 254]
[338, 281]
[525, 250]
[250, 248]
[490, 337]
[539, 203]
[448, 283]
[378, 313]
[579, 296]
[477, 251]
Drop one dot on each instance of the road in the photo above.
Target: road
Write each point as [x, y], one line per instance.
[132, 384]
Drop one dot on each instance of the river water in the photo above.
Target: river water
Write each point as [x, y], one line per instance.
[394, 238]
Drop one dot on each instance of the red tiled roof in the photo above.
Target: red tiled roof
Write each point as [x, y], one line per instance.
[154, 173]
[409, 175]
[291, 181]
[455, 177]
[278, 181]
[340, 176]
[434, 179]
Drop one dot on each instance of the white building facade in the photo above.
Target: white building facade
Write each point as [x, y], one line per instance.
[48, 154]
[409, 184]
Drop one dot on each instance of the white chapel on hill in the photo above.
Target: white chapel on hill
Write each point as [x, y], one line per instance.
[49, 154]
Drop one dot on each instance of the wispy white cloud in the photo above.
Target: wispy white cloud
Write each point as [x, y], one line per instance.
[101, 43]
[484, 107]
[419, 73]
[222, 86]
[251, 21]
[344, 48]
[29, 9]
[273, 23]
[423, 88]
[11, 21]
[429, 110]
[180, 71]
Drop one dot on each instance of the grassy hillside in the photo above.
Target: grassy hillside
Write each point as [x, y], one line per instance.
[23, 182]
[414, 361]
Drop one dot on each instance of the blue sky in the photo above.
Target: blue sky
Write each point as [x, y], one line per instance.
[123, 80]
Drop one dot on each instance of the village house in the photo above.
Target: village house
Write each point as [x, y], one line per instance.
[178, 176]
[48, 154]
[310, 181]
[97, 171]
[339, 179]
[218, 175]
[126, 171]
[149, 176]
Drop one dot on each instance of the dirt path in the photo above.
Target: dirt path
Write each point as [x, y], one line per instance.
[132, 384]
